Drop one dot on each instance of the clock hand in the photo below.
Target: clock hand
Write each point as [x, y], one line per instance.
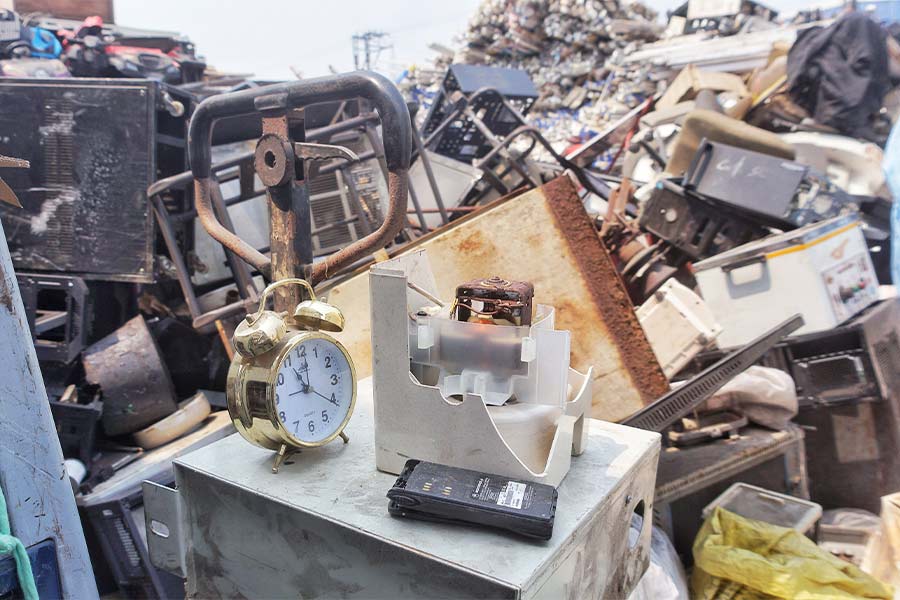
[303, 383]
[326, 397]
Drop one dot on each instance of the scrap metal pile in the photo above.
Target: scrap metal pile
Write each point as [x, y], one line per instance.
[685, 199]
[572, 50]
[566, 46]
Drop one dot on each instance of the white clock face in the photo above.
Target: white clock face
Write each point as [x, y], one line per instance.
[313, 390]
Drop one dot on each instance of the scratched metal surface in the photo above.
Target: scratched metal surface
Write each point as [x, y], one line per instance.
[321, 527]
[38, 494]
[91, 144]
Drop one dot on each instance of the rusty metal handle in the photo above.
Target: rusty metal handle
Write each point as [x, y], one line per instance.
[396, 134]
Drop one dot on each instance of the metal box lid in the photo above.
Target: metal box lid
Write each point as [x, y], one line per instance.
[803, 235]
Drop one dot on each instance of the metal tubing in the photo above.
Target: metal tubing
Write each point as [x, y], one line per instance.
[205, 214]
[418, 208]
[242, 276]
[181, 269]
[429, 173]
[362, 211]
[378, 89]
[184, 179]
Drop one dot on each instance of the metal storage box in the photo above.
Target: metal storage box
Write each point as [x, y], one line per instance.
[690, 478]
[320, 528]
[822, 271]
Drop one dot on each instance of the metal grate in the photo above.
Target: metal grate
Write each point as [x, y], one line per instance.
[328, 203]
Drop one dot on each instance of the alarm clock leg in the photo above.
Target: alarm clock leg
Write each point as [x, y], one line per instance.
[345, 437]
[283, 454]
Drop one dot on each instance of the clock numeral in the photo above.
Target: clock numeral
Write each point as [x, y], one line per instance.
[324, 416]
[316, 351]
[312, 427]
[296, 425]
[333, 399]
[277, 400]
[287, 360]
[281, 416]
[334, 379]
[327, 362]
[302, 352]
[280, 378]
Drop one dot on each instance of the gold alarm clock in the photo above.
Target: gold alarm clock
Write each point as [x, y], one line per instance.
[291, 385]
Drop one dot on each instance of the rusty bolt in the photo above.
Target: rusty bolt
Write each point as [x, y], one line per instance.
[274, 160]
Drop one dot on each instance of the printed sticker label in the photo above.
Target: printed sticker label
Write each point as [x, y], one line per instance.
[512, 495]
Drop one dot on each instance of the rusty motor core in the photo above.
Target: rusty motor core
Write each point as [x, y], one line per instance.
[496, 301]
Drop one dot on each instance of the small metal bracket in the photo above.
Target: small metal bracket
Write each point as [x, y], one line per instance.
[311, 151]
[163, 518]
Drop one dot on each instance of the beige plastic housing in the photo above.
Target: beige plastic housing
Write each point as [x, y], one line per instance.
[678, 324]
[414, 420]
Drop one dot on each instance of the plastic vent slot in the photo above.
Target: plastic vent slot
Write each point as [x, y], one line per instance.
[677, 403]
[131, 553]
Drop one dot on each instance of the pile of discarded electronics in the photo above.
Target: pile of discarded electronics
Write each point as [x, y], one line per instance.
[498, 320]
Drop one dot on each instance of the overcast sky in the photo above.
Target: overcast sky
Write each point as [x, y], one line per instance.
[268, 37]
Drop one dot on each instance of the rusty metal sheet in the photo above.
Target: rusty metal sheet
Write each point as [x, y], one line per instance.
[137, 389]
[543, 236]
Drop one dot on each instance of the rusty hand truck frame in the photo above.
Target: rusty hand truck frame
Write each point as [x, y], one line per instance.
[279, 162]
[239, 167]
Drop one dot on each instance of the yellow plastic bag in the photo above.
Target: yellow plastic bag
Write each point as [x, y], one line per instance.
[743, 559]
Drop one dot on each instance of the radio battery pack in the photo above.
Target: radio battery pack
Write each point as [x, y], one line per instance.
[433, 492]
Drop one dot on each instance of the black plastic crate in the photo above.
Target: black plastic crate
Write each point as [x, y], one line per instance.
[463, 140]
[76, 426]
[119, 537]
[58, 312]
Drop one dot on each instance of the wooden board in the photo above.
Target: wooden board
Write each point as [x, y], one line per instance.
[543, 236]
